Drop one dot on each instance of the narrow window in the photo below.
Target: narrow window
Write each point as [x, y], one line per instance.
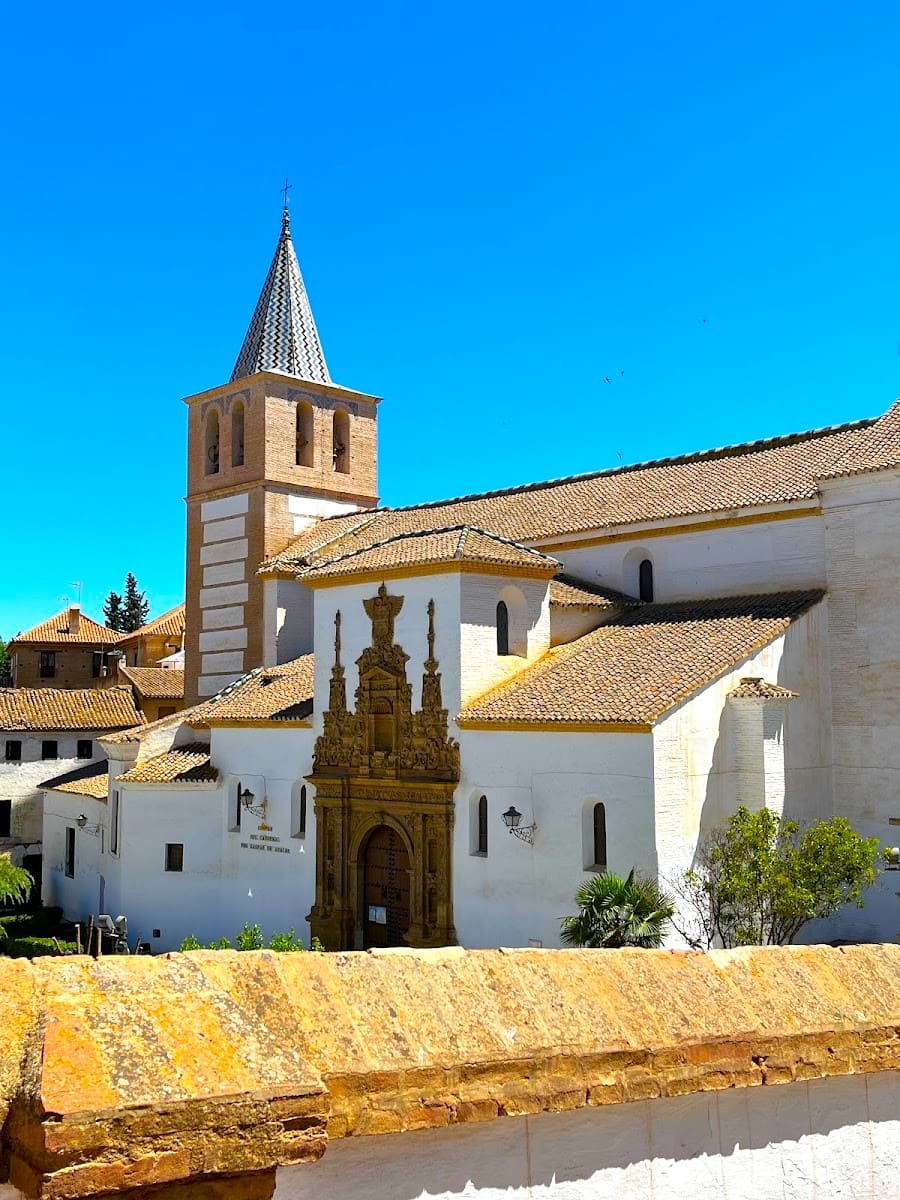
[237, 435]
[70, 851]
[236, 811]
[645, 581]
[298, 811]
[85, 748]
[14, 751]
[49, 750]
[383, 726]
[96, 664]
[482, 841]
[174, 856]
[5, 817]
[304, 434]
[502, 628]
[211, 444]
[48, 664]
[114, 824]
[599, 831]
[341, 441]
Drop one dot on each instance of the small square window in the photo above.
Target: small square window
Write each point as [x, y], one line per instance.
[174, 856]
[14, 751]
[49, 750]
[85, 748]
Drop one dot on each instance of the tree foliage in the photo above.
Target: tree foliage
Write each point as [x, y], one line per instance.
[761, 879]
[251, 938]
[15, 884]
[4, 664]
[135, 607]
[112, 612]
[616, 912]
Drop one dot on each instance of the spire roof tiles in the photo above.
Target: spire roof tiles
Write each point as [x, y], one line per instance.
[282, 334]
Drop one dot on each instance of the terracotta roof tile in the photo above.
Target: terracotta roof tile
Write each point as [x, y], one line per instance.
[181, 764]
[638, 666]
[169, 624]
[282, 693]
[754, 688]
[60, 708]
[56, 630]
[456, 544]
[568, 592]
[139, 733]
[90, 780]
[155, 683]
[775, 471]
[877, 450]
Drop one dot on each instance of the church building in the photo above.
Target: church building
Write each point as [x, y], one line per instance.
[426, 725]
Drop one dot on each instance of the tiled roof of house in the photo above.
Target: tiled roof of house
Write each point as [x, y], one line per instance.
[877, 450]
[55, 630]
[181, 764]
[771, 472]
[568, 592]
[67, 709]
[282, 693]
[755, 688]
[638, 666]
[139, 733]
[457, 544]
[90, 780]
[168, 624]
[282, 334]
[155, 683]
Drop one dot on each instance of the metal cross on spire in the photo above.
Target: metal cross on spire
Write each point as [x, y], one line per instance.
[287, 187]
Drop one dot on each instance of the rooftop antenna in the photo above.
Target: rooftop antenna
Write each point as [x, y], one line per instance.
[77, 586]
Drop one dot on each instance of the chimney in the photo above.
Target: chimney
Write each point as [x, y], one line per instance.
[74, 619]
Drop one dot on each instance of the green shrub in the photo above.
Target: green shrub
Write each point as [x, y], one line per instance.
[285, 943]
[191, 942]
[250, 937]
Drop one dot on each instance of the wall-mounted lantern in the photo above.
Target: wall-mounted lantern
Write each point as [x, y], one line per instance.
[512, 819]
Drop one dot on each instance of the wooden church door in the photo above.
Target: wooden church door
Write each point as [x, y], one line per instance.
[385, 889]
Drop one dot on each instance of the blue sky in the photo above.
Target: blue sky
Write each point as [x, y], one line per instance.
[496, 206]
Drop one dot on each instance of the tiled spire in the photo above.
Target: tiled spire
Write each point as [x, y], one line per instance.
[282, 335]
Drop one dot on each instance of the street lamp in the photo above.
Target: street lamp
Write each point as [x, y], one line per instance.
[512, 819]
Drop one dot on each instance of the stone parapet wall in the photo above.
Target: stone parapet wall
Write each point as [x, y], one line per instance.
[184, 1072]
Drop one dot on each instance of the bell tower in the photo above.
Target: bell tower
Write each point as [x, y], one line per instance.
[270, 452]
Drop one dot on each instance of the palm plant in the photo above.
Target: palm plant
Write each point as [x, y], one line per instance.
[15, 884]
[617, 912]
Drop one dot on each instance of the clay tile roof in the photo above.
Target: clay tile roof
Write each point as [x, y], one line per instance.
[155, 683]
[754, 688]
[877, 449]
[181, 764]
[639, 665]
[169, 624]
[282, 693]
[56, 630]
[62, 709]
[90, 780]
[456, 544]
[568, 592]
[139, 733]
[775, 471]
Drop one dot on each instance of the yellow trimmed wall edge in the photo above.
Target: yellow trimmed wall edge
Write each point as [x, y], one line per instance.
[186, 1071]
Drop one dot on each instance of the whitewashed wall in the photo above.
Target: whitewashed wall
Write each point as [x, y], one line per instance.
[19, 781]
[528, 605]
[821, 1140]
[82, 895]
[862, 520]
[767, 557]
[518, 893]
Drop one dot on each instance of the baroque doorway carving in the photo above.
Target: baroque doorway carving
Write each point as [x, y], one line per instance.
[383, 766]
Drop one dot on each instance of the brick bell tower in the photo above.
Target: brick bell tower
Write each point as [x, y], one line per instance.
[269, 452]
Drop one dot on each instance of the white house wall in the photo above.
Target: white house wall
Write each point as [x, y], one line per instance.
[766, 557]
[19, 781]
[862, 519]
[528, 607]
[82, 895]
[517, 893]
[817, 1140]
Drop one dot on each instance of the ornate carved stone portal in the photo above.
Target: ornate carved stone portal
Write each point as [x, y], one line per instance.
[380, 767]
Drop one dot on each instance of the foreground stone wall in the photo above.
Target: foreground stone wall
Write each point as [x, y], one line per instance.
[199, 1074]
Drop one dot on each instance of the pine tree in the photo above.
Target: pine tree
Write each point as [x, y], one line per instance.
[113, 615]
[135, 608]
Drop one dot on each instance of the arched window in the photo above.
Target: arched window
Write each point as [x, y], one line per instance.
[502, 628]
[383, 726]
[237, 435]
[599, 831]
[211, 443]
[645, 581]
[340, 449]
[481, 831]
[235, 822]
[304, 434]
[298, 810]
